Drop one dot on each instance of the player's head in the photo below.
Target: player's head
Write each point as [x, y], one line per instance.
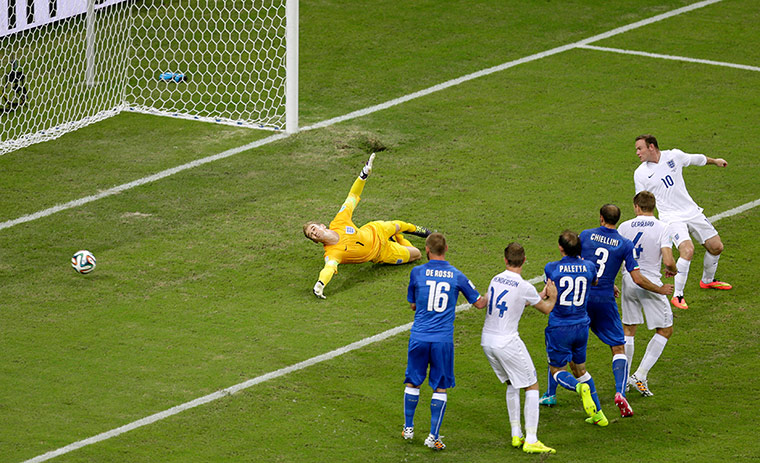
[644, 201]
[435, 245]
[570, 243]
[647, 148]
[514, 254]
[610, 214]
[315, 231]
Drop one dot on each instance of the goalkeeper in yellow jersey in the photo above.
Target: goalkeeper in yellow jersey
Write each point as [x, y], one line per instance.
[345, 243]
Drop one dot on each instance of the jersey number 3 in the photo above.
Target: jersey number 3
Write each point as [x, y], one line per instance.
[438, 298]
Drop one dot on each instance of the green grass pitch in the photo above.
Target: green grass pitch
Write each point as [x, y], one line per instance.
[204, 278]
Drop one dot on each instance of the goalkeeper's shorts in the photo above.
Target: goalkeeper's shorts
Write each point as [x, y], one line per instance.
[390, 251]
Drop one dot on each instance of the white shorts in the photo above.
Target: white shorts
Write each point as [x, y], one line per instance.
[699, 227]
[511, 361]
[655, 306]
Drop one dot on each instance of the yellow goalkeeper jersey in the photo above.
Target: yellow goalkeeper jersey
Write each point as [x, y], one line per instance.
[356, 245]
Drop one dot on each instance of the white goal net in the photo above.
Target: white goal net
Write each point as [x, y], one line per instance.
[65, 64]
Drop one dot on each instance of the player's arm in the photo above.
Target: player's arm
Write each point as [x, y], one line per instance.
[356, 189]
[548, 298]
[480, 302]
[644, 282]
[720, 162]
[325, 275]
[669, 261]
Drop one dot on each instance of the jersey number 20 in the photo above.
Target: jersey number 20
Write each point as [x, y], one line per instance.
[576, 286]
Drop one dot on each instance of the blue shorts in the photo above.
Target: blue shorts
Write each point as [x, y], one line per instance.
[440, 357]
[605, 319]
[566, 343]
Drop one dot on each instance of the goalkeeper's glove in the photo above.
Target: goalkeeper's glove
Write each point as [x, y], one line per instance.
[367, 169]
[319, 287]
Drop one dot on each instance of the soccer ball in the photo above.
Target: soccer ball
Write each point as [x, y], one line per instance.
[83, 261]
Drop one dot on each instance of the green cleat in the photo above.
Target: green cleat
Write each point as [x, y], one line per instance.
[588, 403]
[537, 447]
[517, 441]
[598, 419]
[420, 231]
[548, 400]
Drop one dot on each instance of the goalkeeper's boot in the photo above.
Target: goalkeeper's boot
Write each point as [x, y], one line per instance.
[588, 402]
[640, 385]
[680, 302]
[537, 447]
[548, 400]
[434, 443]
[715, 284]
[408, 432]
[517, 441]
[625, 408]
[598, 419]
[421, 231]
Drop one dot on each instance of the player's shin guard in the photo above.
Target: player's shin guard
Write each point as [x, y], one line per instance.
[683, 273]
[437, 409]
[620, 372]
[513, 409]
[709, 267]
[566, 380]
[586, 378]
[531, 416]
[411, 398]
[654, 350]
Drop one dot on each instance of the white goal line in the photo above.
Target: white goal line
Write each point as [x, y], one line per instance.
[671, 57]
[352, 115]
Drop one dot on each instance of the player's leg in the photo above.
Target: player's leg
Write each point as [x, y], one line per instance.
[416, 370]
[412, 229]
[659, 318]
[441, 377]
[630, 307]
[532, 444]
[606, 324]
[710, 239]
[679, 234]
[550, 396]
[497, 358]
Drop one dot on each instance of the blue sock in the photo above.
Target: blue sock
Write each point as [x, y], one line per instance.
[619, 370]
[592, 387]
[437, 409]
[566, 380]
[411, 398]
[552, 384]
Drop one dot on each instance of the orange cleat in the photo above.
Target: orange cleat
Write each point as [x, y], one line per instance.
[679, 302]
[715, 284]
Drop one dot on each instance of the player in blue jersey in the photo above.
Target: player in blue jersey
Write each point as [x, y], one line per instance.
[433, 291]
[608, 249]
[567, 332]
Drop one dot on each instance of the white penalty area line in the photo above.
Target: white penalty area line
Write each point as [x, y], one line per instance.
[284, 371]
[352, 115]
[671, 57]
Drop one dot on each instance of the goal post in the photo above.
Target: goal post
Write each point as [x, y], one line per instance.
[222, 61]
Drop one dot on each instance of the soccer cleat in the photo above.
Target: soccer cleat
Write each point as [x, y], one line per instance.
[640, 385]
[548, 400]
[679, 302]
[598, 419]
[517, 441]
[588, 403]
[420, 231]
[537, 447]
[622, 404]
[408, 432]
[434, 443]
[715, 284]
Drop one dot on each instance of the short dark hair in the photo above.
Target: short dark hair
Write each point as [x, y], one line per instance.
[570, 243]
[645, 200]
[649, 140]
[515, 254]
[436, 244]
[610, 213]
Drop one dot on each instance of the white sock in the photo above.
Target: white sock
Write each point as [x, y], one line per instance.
[710, 266]
[654, 349]
[513, 408]
[683, 273]
[531, 416]
[629, 342]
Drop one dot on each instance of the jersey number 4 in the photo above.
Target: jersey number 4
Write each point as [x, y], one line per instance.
[438, 298]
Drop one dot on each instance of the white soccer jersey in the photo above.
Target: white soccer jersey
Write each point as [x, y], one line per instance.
[649, 236]
[508, 294]
[664, 179]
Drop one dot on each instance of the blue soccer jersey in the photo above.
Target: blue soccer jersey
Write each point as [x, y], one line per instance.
[573, 277]
[607, 249]
[434, 287]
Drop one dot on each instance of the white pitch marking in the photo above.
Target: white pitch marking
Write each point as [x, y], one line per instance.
[672, 57]
[353, 115]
